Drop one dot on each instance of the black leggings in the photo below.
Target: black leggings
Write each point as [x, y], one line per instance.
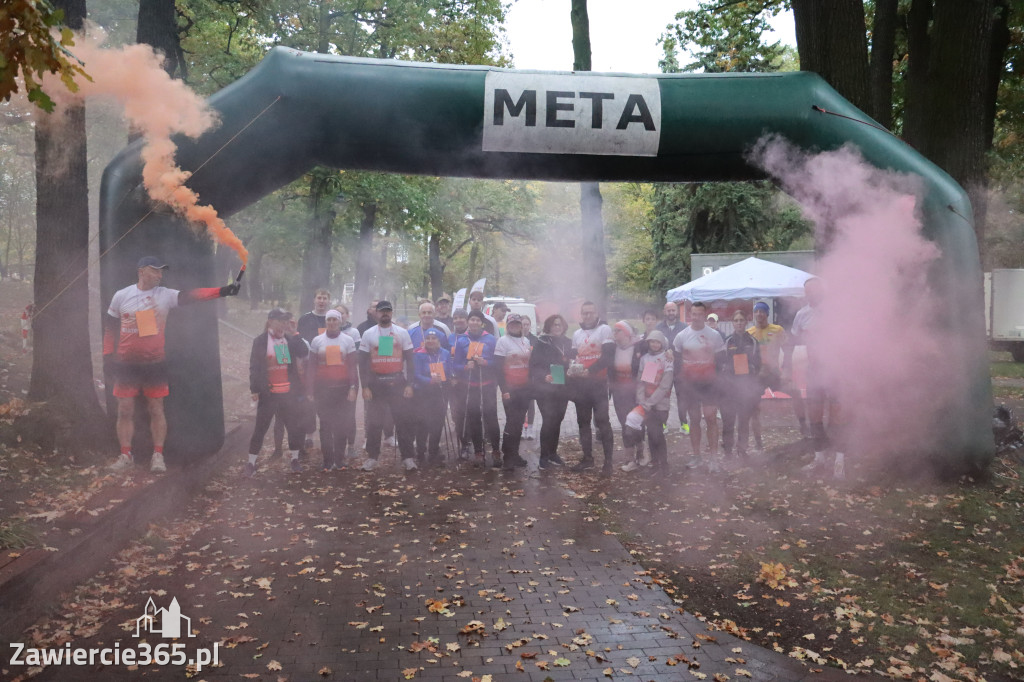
[515, 412]
[337, 422]
[591, 398]
[552, 403]
[271, 405]
[481, 418]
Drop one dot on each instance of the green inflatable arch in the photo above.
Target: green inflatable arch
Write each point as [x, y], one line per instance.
[296, 110]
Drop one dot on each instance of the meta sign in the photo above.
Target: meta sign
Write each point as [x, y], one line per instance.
[571, 114]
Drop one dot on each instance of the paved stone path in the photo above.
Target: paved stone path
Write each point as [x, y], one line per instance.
[330, 576]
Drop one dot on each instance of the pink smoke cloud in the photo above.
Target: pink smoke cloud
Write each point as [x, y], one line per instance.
[881, 324]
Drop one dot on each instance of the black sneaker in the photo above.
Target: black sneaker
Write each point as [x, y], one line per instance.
[546, 463]
[606, 470]
[517, 461]
[583, 465]
[555, 460]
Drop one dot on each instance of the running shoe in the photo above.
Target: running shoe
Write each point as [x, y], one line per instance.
[818, 463]
[630, 466]
[839, 468]
[645, 459]
[606, 470]
[410, 464]
[583, 464]
[555, 460]
[157, 465]
[533, 473]
[684, 429]
[249, 470]
[369, 464]
[296, 468]
[123, 463]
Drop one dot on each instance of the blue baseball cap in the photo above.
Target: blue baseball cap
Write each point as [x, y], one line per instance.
[761, 305]
[433, 332]
[152, 262]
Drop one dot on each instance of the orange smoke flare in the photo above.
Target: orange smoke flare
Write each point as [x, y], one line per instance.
[157, 106]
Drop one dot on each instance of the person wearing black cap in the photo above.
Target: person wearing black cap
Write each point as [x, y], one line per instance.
[473, 361]
[386, 364]
[274, 382]
[133, 349]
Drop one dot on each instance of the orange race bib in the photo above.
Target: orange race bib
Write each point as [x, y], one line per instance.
[437, 371]
[740, 364]
[332, 355]
[146, 322]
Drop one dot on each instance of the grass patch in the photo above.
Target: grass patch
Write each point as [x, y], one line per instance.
[16, 534]
[1013, 370]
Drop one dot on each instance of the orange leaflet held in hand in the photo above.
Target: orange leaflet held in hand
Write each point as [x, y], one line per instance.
[476, 350]
[650, 374]
[437, 370]
[146, 321]
[740, 365]
[333, 355]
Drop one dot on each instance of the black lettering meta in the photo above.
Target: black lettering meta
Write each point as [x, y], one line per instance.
[597, 107]
[642, 115]
[503, 100]
[554, 106]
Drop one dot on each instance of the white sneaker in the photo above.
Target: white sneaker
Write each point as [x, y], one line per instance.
[123, 463]
[714, 464]
[410, 464]
[819, 461]
[839, 469]
[391, 441]
[369, 464]
[630, 466]
[157, 465]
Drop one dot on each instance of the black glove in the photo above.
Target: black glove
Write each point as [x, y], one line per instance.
[230, 290]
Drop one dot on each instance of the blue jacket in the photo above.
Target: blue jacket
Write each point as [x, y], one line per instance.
[460, 346]
[421, 361]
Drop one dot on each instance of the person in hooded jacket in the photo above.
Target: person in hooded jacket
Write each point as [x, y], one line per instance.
[548, 364]
[512, 370]
[622, 384]
[432, 377]
[653, 394]
[740, 385]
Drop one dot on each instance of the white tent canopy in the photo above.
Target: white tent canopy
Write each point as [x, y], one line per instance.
[750, 278]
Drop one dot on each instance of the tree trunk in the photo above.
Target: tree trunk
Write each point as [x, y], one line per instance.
[318, 255]
[361, 292]
[918, 48]
[62, 360]
[831, 41]
[595, 268]
[436, 271]
[158, 26]
[883, 44]
[956, 134]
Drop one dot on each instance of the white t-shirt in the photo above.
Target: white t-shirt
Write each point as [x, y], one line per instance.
[589, 343]
[516, 351]
[803, 322]
[696, 350]
[386, 364]
[333, 367]
[131, 303]
[354, 333]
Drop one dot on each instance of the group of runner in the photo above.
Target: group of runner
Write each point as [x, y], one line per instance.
[311, 370]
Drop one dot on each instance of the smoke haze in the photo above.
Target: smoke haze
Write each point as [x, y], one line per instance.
[880, 331]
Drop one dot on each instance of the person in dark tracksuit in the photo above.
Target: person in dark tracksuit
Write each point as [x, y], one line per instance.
[741, 385]
[551, 353]
[274, 383]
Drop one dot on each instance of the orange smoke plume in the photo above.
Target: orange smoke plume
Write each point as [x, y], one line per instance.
[157, 106]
